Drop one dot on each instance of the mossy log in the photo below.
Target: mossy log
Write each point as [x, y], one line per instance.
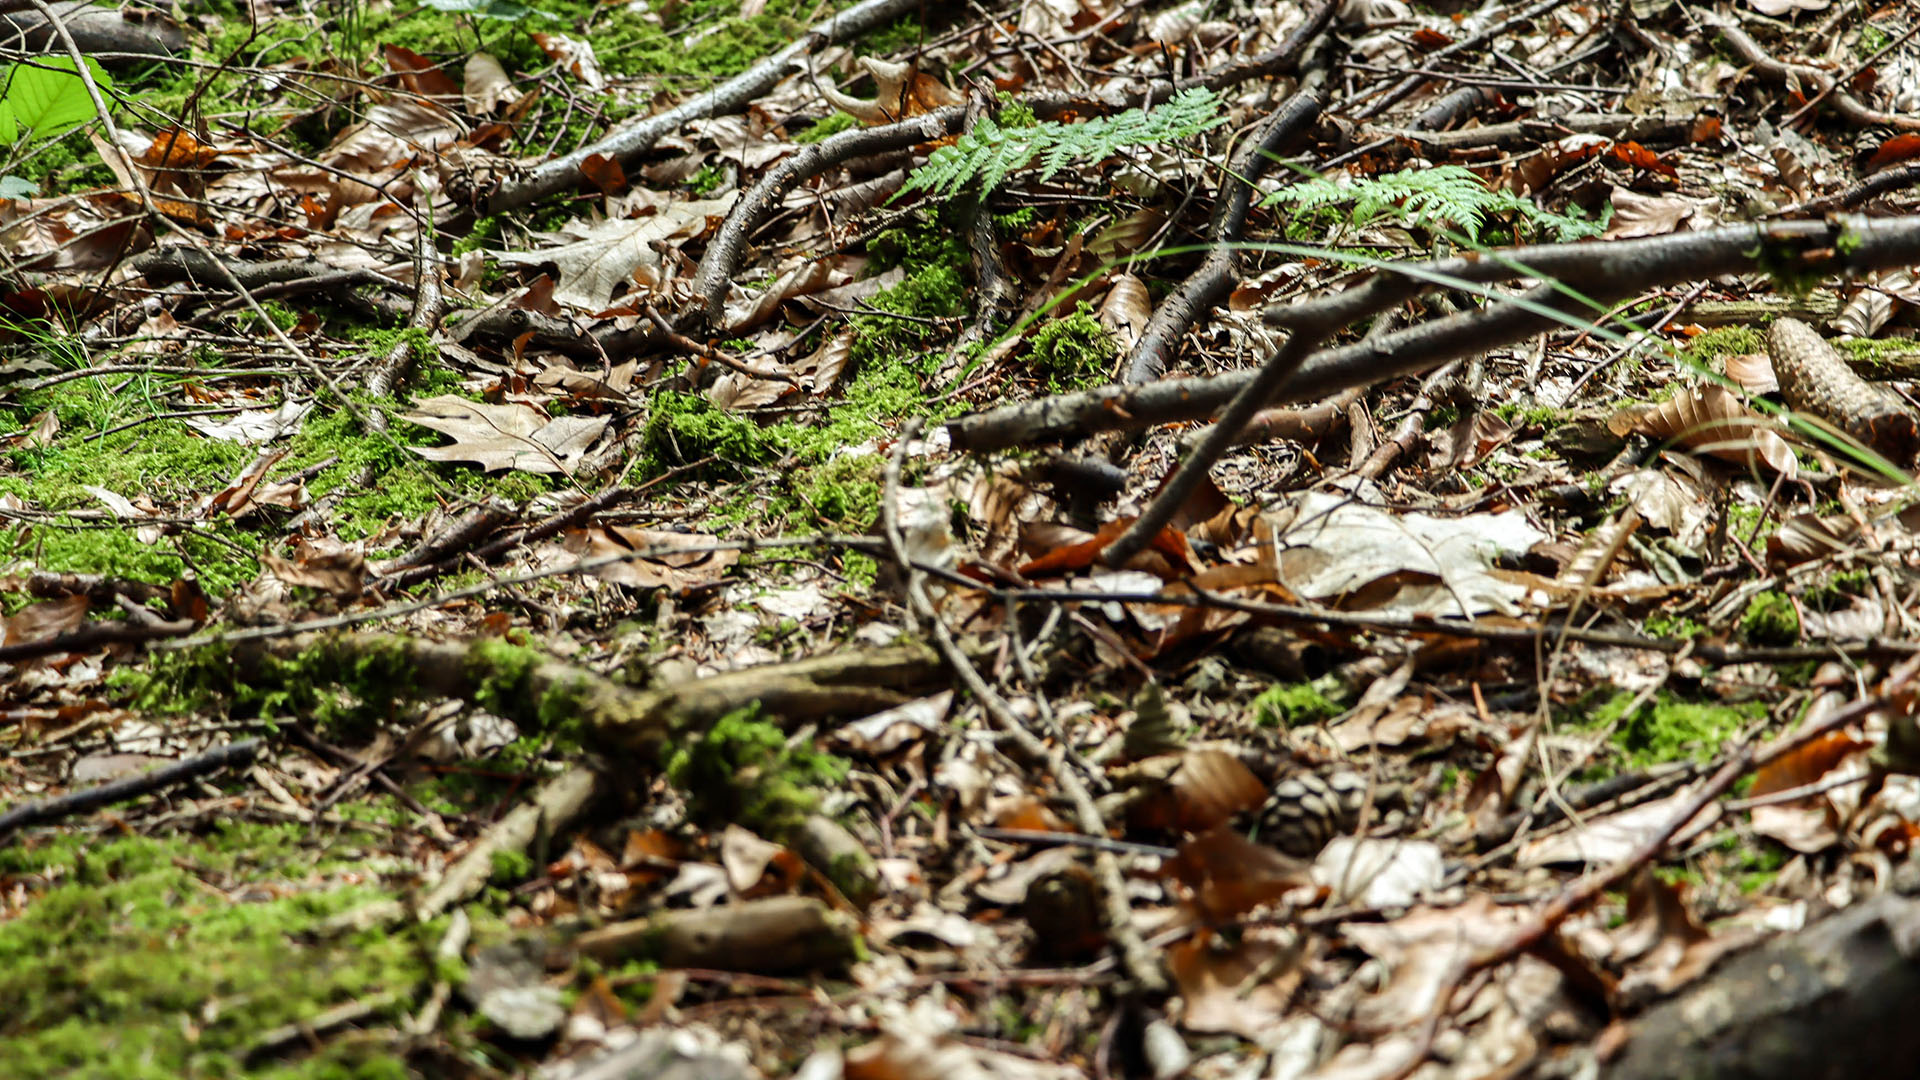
[534, 690]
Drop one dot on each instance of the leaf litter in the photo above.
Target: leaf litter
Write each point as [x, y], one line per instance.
[652, 662]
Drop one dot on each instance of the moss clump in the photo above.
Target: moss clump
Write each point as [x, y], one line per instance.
[1668, 730]
[742, 769]
[1711, 349]
[1072, 352]
[1838, 591]
[832, 125]
[1770, 620]
[1292, 704]
[1881, 358]
[132, 961]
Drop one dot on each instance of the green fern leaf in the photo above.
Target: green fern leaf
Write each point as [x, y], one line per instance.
[989, 153]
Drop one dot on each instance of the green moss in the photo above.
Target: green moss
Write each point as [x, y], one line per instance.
[860, 569]
[510, 867]
[1881, 358]
[1293, 704]
[1668, 730]
[832, 125]
[742, 769]
[1677, 627]
[1838, 591]
[1072, 352]
[1770, 619]
[132, 962]
[1711, 349]
[819, 484]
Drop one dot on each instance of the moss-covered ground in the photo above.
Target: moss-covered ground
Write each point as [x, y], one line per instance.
[132, 957]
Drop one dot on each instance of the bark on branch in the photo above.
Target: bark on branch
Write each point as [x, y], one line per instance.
[1602, 272]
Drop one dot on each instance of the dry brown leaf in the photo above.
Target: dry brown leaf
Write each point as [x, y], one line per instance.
[1710, 420]
[487, 87]
[337, 569]
[1226, 875]
[607, 255]
[505, 436]
[1754, 373]
[682, 561]
[48, 619]
[1239, 987]
[1204, 788]
[1126, 311]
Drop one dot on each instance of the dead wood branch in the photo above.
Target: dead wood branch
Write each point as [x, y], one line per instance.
[772, 936]
[106, 34]
[628, 144]
[607, 339]
[429, 306]
[94, 635]
[729, 246]
[1654, 130]
[132, 787]
[1850, 108]
[1603, 272]
[553, 808]
[619, 718]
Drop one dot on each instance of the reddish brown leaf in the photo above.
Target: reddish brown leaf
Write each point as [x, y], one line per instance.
[1894, 151]
[1806, 764]
[1632, 153]
[1227, 875]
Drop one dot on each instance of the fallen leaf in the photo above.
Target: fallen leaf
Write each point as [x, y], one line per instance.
[505, 436]
[1336, 548]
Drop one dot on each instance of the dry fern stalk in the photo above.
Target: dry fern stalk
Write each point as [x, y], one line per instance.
[1814, 379]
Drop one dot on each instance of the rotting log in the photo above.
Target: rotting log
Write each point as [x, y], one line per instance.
[1832, 1000]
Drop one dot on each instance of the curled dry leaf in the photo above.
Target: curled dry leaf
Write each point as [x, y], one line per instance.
[678, 561]
[1754, 373]
[1806, 537]
[1126, 310]
[1712, 421]
[901, 91]
[1204, 789]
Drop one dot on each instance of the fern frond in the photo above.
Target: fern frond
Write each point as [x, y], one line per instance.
[1435, 198]
[989, 153]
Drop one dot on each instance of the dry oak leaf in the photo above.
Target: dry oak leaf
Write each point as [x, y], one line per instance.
[505, 436]
[607, 254]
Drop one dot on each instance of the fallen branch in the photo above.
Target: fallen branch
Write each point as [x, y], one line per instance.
[1605, 272]
[132, 787]
[524, 686]
[629, 144]
[1834, 999]
[1850, 108]
[775, 935]
[558, 802]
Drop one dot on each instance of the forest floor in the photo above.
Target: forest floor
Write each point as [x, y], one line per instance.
[677, 539]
